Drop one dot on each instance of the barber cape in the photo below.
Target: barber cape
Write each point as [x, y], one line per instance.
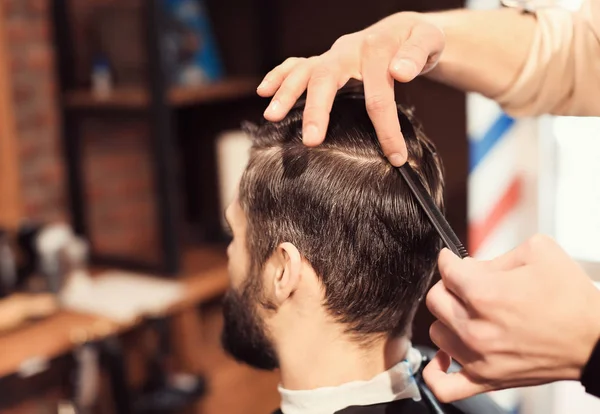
[399, 390]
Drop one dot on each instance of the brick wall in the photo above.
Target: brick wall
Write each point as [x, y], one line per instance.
[116, 159]
[119, 183]
[31, 52]
[118, 180]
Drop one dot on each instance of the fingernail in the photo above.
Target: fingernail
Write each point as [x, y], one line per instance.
[447, 252]
[273, 107]
[263, 84]
[405, 67]
[396, 159]
[311, 134]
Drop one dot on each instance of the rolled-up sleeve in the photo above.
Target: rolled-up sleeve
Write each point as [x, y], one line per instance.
[562, 73]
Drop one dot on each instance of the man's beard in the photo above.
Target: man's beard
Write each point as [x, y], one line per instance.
[244, 336]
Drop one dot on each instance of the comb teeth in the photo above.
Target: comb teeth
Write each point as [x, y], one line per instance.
[462, 251]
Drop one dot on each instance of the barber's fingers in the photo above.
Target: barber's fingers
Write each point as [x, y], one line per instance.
[466, 277]
[508, 261]
[321, 91]
[535, 248]
[457, 273]
[290, 90]
[449, 387]
[273, 80]
[419, 53]
[377, 52]
[446, 307]
[448, 341]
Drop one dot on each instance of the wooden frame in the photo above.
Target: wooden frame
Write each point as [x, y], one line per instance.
[10, 197]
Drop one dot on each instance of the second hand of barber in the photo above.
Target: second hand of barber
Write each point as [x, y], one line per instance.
[490, 320]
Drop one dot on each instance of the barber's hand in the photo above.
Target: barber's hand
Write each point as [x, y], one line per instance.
[399, 47]
[526, 318]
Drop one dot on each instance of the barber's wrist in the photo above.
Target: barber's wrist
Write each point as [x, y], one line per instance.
[397, 22]
[443, 19]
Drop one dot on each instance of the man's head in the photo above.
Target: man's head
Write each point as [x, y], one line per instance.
[329, 235]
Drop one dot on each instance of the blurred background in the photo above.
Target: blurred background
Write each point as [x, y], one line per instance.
[120, 146]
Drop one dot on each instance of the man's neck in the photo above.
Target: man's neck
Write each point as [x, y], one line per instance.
[329, 359]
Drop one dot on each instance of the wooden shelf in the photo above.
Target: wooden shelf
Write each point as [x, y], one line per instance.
[138, 98]
[47, 339]
[204, 277]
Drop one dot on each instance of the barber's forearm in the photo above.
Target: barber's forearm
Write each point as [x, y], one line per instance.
[485, 49]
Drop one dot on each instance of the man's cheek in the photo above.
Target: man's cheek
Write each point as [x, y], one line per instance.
[236, 273]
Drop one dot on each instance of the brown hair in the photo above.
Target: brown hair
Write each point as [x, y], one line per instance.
[349, 213]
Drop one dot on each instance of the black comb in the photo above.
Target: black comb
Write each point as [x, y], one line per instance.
[437, 219]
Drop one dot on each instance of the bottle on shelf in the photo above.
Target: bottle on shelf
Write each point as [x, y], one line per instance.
[102, 82]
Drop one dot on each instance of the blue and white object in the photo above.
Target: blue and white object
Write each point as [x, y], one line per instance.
[189, 44]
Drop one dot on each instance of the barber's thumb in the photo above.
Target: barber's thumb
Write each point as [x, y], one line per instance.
[448, 387]
[448, 261]
[456, 272]
[438, 365]
[404, 68]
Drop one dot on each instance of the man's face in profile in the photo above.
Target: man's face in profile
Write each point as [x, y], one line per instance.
[244, 333]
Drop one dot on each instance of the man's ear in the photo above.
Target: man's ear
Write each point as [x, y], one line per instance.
[288, 271]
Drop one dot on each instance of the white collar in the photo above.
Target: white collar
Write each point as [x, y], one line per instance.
[394, 384]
